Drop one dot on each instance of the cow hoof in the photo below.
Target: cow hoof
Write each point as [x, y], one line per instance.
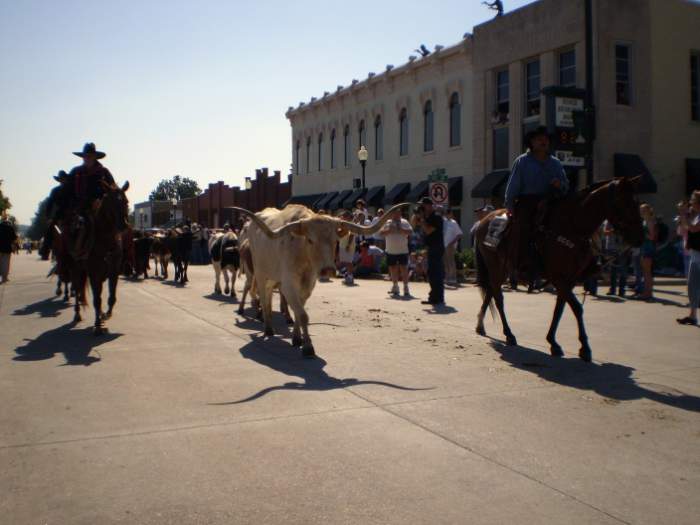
[511, 340]
[296, 340]
[480, 331]
[269, 332]
[227, 291]
[585, 354]
[556, 351]
[308, 351]
[241, 311]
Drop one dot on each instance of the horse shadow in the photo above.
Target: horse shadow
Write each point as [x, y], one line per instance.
[287, 359]
[50, 307]
[74, 344]
[610, 380]
[221, 298]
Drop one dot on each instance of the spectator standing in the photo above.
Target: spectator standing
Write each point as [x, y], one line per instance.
[619, 260]
[395, 234]
[684, 208]
[452, 234]
[432, 225]
[8, 236]
[647, 251]
[691, 222]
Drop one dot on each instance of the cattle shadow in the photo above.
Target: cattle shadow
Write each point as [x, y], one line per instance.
[50, 307]
[221, 298]
[282, 357]
[441, 310]
[75, 344]
[610, 380]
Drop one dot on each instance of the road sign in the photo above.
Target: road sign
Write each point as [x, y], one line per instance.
[439, 193]
[437, 175]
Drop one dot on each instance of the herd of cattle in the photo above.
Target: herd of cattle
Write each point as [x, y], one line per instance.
[286, 249]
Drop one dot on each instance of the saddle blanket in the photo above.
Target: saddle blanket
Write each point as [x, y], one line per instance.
[496, 228]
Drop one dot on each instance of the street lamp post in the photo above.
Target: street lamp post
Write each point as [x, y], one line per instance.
[362, 156]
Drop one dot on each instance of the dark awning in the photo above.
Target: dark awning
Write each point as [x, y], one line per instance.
[306, 200]
[351, 199]
[492, 185]
[375, 196]
[419, 190]
[454, 186]
[397, 194]
[629, 166]
[323, 202]
[336, 201]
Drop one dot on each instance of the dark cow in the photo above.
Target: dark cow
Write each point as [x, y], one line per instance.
[225, 257]
[142, 253]
[179, 242]
[161, 255]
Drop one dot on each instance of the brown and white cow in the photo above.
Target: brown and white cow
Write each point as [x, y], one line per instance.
[225, 258]
[292, 248]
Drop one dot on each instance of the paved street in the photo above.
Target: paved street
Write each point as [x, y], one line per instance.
[183, 414]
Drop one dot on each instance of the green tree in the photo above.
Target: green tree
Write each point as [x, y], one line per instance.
[40, 222]
[178, 187]
[4, 201]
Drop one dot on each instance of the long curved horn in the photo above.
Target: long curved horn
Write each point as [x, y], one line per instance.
[272, 234]
[369, 230]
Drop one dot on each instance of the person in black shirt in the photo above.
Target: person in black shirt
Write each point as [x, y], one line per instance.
[432, 224]
[8, 236]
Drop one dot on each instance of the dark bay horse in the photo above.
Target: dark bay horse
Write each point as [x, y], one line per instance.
[105, 255]
[565, 250]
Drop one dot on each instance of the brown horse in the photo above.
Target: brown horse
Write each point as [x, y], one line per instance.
[105, 255]
[565, 249]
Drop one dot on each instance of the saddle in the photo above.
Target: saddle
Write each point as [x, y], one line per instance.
[496, 231]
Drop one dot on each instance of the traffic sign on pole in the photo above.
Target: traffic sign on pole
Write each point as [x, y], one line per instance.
[439, 193]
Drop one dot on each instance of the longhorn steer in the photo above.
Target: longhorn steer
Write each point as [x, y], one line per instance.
[291, 248]
[225, 258]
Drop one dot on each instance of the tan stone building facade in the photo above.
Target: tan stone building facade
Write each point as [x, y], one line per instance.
[412, 119]
[642, 66]
[645, 93]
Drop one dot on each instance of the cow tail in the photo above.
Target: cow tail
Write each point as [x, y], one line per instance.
[483, 278]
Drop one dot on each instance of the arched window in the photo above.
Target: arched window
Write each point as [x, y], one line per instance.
[333, 149]
[296, 157]
[428, 127]
[378, 138]
[403, 132]
[308, 155]
[320, 151]
[362, 135]
[346, 146]
[455, 120]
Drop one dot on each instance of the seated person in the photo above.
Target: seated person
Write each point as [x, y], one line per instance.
[368, 260]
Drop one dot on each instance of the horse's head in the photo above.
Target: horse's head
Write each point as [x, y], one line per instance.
[116, 203]
[623, 210]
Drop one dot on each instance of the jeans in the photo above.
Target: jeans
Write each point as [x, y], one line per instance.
[436, 276]
[618, 273]
[694, 284]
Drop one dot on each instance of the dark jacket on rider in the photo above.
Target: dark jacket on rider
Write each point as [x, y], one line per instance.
[87, 182]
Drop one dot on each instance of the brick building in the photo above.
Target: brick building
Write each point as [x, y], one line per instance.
[211, 208]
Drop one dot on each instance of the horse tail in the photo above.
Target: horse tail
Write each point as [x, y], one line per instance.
[483, 278]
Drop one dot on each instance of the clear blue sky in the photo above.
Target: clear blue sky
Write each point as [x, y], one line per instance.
[192, 88]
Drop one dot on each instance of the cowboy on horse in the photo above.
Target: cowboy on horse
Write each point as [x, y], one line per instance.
[536, 178]
[87, 182]
[56, 205]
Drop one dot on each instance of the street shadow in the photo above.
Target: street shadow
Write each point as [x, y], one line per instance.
[441, 310]
[50, 307]
[610, 380]
[75, 344]
[170, 282]
[608, 298]
[221, 298]
[282, 357]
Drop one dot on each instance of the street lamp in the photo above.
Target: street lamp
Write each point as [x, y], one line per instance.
[362, 156]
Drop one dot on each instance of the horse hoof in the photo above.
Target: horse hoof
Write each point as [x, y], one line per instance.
[77, 319]
[556, 351]
[98, 330]
[296, 340]
[480, 331]
[585, 354]
[269, 332]
[227, 291]
[241, 311]
[308, 351]
[511, 340]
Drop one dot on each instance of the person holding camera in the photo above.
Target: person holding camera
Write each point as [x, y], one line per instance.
[395, 234]
[432, 225]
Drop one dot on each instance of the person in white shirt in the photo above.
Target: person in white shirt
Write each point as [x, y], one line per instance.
[452, 233]
[396, 233]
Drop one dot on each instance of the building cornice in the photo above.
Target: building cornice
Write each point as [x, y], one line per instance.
[410, 69]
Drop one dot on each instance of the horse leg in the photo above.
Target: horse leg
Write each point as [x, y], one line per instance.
[96, 287]
[487, 297]
[79, 289]
[113, 281]
[498, 299]
[585, 351]
[554, 347]
[58, 287]
[186, 265]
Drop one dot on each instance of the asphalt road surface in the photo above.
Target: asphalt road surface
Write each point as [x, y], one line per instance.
[184, 414]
